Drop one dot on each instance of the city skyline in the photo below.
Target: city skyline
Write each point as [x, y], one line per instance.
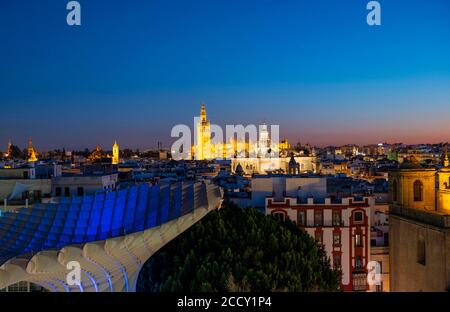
[132, 73]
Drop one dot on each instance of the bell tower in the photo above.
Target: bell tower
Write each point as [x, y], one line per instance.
[115, 151]
[444, 185]
[203, 146]
[31, 152]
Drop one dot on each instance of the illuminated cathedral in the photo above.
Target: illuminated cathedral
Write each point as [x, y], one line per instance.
[262, 156]
[98, 154]
[31, 152]
[204, 149]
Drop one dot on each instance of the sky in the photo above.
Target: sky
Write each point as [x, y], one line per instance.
[134, 69]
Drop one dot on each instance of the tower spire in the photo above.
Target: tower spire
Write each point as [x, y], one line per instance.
[32, 157]
[203, 111]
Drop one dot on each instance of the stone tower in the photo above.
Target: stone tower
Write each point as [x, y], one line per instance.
[203, 144]
[115, 152]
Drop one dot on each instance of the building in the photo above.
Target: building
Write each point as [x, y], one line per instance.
[419, 227]
[21, 186]
[342, 226]
[80, 185]
[115, 152]
[260, 148]
[31, 152]
[379, 244]
[306, 164]
[203, 143]
[280, 186]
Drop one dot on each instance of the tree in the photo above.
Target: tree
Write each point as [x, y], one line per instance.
[239, 249]
[16, 153]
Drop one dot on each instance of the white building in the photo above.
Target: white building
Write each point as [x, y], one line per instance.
[279, 186]
[79, 185]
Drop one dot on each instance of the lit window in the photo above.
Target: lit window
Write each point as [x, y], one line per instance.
[358, 240]
[418, 191]
[336, 218]
[336, 239]
[301, 218]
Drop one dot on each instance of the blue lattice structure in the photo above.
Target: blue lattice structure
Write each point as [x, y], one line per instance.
[77, 221]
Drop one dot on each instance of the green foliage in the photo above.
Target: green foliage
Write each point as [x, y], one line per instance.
[16, 153]
[237, 249]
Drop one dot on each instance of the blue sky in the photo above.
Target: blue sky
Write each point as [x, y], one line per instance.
[134, 69]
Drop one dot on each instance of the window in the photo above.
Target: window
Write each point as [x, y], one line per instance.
[336, 218]
[358, 240]
[301, 218]
[421, 252]
[418, 191]
[358, 216]
[18, 287]
[337, 261]
[336, 239]
[58, 192]
[319, 237]
[394, 190]
[359, 282]
[80, 191]
[67, 192]
[358, 263]
[318, 218]
[37, 194]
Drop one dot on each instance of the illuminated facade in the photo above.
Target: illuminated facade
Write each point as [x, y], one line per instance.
[31, 153]
[115, 152]
[419, 227]
[203, 144]
[204, 149]
[97, 154]
[9, 152]
[284, 145]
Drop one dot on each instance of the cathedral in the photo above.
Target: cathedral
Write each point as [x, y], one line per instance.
[260, 157]
[98, 154]
[31, 152]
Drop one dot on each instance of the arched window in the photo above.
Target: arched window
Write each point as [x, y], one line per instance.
[394, 190]
[418, 191]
